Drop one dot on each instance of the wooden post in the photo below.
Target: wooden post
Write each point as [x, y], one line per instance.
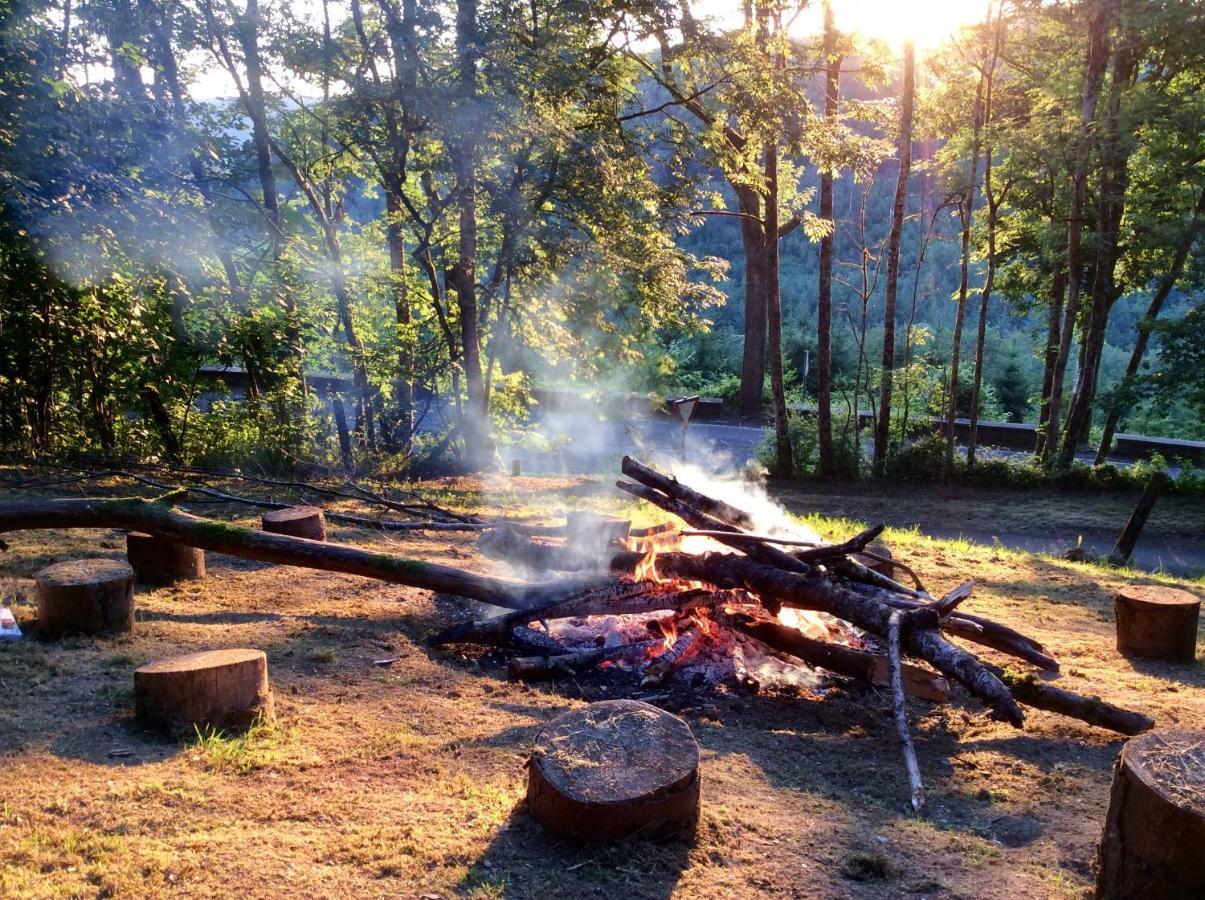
[1154, 830]
[613, 769]
[1129, 535]
[159, 561]
[222, 689]
[297, 521]
[86, 596]
[1157, 622]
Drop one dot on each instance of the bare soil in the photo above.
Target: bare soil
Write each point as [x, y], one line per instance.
[407, 779]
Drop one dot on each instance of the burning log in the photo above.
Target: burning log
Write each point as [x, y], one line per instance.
[683, 646]
[740, 671]
[675, 490]
[541, 668]
[871, 667]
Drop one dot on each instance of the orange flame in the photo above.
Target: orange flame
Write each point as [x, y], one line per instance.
[646, 569]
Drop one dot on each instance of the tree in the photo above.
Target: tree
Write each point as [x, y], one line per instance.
[907, 99]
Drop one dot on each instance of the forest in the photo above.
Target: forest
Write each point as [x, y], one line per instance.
[454, 204]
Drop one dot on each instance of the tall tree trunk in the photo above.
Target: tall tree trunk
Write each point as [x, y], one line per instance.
[1114, 182]
[753, 358]
[1121, 404]
[404, 383]
[883, 426]
[1098, 55]
[966, 212]
[824, 301]
[782, 443]
[1058, 294]
[478, 444]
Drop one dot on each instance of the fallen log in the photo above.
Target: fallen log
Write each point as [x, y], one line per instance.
[1032, 691]
[158, 518]
[860, 664]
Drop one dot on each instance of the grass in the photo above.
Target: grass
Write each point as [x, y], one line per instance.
[409, 780]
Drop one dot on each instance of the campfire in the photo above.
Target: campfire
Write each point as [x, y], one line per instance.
[787, 608]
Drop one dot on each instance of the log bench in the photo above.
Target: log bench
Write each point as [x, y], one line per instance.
[1157, 622]
[156, 560]
[226, 690]
[1153, 843]
[297, 521]
[85, 596]
[612, 769]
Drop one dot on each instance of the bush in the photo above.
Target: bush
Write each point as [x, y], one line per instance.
[921, 460]
[805, 445]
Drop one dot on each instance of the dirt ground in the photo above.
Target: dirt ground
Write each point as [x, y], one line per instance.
[407, 780]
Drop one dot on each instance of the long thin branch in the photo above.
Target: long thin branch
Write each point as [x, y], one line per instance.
[901, 715]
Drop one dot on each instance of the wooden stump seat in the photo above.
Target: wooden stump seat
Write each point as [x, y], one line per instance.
[86, 596]
[1157, 622]
[1153, 843]
[222, 689]
[156, 560]
[297, 521]
[612, 769]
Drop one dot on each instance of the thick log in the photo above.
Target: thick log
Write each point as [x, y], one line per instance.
[1031, 691]
[815, 591]
[860, 664]
[297, 521]
[85, 596]
[220, 537]
[226, 690]
[156, 561]
[1154, 830]
[613, 769]
[1156, 622]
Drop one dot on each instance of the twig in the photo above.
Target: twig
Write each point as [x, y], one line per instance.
[901, 716]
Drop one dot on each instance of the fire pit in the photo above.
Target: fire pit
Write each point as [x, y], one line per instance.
[787, 609]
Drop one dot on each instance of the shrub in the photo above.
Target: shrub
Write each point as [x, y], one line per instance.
[918, 461]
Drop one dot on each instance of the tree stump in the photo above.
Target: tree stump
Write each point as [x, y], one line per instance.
[159, 561]
[612, 769]
[222, 689]
[877, 565]
[1157, 622]
[85, 596]
[1154, 834]
[297, 521]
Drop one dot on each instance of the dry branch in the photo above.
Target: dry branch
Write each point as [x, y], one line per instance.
[901, 713]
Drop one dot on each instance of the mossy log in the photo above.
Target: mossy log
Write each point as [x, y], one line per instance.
[1156, 622]
[1154, 831]
[298, 521]
[160, 519]
[226, 690]
[85, 596]
[613, 769]
[158, 561]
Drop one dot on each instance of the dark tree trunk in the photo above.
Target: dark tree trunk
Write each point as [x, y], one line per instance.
[824, 302]
[1114, 181]
[478, 445]
[782, 442]
[1058, 294]
[966, 213]
[883, 425]
[1121, 403]
[753, 359]
[1098, 54]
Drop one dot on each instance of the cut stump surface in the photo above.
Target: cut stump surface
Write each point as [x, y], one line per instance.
[159, 561]
[1157, 622]
[612, 769]
[226, 690]
[85, 596]
[1154, 834]
[297, 521]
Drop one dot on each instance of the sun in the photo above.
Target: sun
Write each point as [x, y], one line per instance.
[927, 23]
